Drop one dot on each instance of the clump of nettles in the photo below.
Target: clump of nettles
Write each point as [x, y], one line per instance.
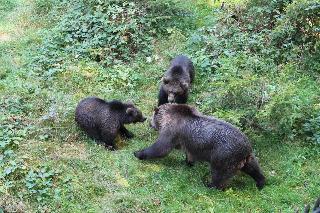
[259, 61]
[108, 32]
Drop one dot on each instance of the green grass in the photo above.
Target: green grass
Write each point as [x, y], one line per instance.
[91, 179]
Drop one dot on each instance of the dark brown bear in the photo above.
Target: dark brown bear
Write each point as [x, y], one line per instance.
[103, 120]
[177, 81]
[203, 138]
[316, 208]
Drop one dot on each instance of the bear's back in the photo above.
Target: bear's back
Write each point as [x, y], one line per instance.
[204, 131]
[92, 111]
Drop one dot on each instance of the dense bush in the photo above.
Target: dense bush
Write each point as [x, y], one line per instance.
[300, 24]
[312, 128]
[109, 32]
[291, 107]
[255, 58]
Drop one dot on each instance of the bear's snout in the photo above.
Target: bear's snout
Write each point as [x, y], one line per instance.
[143, 119]
[139, 155]
[171, 98]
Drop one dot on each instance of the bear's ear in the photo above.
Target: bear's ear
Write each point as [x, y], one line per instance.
[130, 111]
[130, 103]
[165, 80]
[184, 85]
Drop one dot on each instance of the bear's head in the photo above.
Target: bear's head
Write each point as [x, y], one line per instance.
[174, 87]
[133, 114]
[161, 116]
[168, 114]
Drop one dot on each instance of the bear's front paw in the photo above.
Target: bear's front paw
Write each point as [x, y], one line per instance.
[261, 183]
[215, 186]
[129, 135]
[212, 185]
[140, 155]
[110, 147]
[189, 163]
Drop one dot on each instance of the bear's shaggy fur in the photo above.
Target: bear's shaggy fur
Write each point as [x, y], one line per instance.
[203, 138]
[103, 120]
[316, 208]
[177, 81]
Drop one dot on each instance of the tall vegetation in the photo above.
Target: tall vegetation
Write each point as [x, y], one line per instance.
[109, 32]
[262, 63]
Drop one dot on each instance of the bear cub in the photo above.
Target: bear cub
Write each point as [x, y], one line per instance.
[104, 120]
[176, 82]
[203, 138]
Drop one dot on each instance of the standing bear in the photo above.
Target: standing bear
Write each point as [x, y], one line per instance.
[176, 82]
[203, 138]
[103, 120]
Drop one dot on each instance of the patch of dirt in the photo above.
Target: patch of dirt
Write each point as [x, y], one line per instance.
[4, 37]
[9, 203]
[70, 151]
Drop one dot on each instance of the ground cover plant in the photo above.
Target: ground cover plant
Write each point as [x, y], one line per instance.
[257, 65]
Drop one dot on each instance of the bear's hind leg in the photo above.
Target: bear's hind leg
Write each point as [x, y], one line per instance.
[189, 159]
[92, 133]
[220, 177]
[252, 168]
[109, 139]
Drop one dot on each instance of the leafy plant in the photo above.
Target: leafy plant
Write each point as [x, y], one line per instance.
[12, 168]
[312, 128]
[253, 59]
[290, 107]
[39, 182]
[109, 32]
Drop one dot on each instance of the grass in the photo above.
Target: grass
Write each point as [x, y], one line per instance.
[91, 179]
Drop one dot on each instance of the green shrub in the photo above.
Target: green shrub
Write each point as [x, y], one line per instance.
[297, 33]
[43, 7]
[300, 25]
[109, 32]
[269, 29]
[254, 58]
[39, 183]
[12, 168]
[120, 76]
[290, 108]
[312, 128]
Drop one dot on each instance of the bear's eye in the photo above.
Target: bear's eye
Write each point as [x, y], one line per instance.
[131, 111]
[135, 113]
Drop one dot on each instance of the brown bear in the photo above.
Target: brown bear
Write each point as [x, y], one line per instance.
[103, 120]
[203, 138]
[316, 208]
[176, 82]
